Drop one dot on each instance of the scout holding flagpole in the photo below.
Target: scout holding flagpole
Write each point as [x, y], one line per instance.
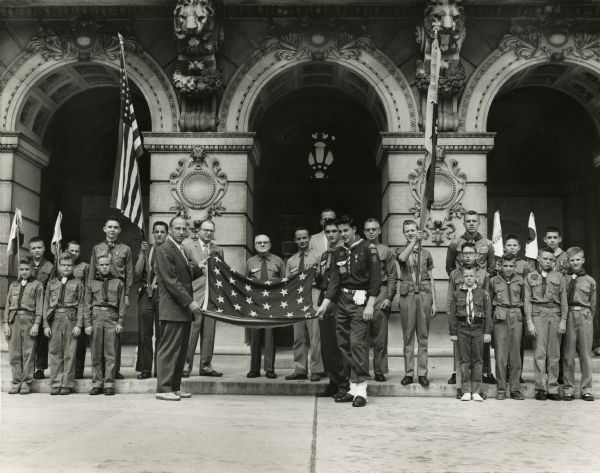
[15, 238]
[56, 241]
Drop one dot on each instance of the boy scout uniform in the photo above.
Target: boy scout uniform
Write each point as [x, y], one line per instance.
[415, 309]
[24, 306]
[483, 247]
[63, 311]
[561, 261]
[507, 302]
[578, 337]
[381, 317]
[80, 271]
[469, 322]
[333, 363]
[306, 333]
[148, 324]
[42, 272]
[104, 309]
[263, 268]
[355, 277]
[545, 304]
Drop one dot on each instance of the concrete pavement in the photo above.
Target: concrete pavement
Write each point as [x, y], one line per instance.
[138, 434]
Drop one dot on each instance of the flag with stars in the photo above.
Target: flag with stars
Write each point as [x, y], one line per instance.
[233, 298]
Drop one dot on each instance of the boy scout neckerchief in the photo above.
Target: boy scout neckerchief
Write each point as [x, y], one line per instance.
[573, 283]
[22, 289]
[470, 309]
[105, 280]
[63, 285]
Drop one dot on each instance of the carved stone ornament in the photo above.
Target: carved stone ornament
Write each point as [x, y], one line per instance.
[553, 36]
[437, 230]
[450, 185]
[83, 39]
[198, 185]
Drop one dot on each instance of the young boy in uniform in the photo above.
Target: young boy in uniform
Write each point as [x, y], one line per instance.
[63, 321]
[21, 323]
[470, 326]
[546, 308]
[553, 239]
[581, 296]
[104, 317]
[506, 293]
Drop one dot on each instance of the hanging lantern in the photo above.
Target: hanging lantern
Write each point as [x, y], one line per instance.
[321, 157]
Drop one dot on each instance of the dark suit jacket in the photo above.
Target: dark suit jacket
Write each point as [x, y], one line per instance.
[194, 249]
[175, 277]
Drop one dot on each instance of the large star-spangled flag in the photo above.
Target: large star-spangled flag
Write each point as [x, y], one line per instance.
[233, 298]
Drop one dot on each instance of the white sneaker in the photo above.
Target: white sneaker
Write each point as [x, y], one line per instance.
[477, 397]
[466, 397]
[183, 394]
[168, 396]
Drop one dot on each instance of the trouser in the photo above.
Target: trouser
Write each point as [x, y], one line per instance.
[379, 331]
[174, 337]
[456, 364]
[104, 341]
[62, 349]
[546, 346]
[22, 349]
[203, 328]
[470, 347]
[257, 335]
[148, 327]
[578, 338]
[524, 335]
[596, 337]
[415, 315]
[307, 335]
[352, 332]
[41, 354]
[507, 339]
[333, 363]
[487, 357]
[80, 353]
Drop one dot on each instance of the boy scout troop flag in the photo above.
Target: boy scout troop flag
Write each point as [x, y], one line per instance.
[126, 193]
[233, 298]
[497, 236]
[15, 238]
[531, 248]
[57, 236]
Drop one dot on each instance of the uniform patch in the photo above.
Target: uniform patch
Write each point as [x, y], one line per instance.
[497, 280]
[534, 277]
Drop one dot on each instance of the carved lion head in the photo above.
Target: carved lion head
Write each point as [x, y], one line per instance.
[191, 17]
[451, 17]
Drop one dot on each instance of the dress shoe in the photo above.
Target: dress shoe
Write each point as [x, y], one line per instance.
[78, 375]
[168, 396]
[253, 374]
[347, 397]
[144, 375]
[466, 397]
[540, 395]
[330, 390]
[500, 396]
[118, 375]
[380, 377]
[406, 380]
[489, 379]
[452, 379]
[65, 391]
[597, 351]
[39, 374]
[517, 395]
[568, 397]
[270, 375]
[109, 391]
[25, 389]
[183, 394]
[359, 401]
[185, 374]
[213, 373]
[315, 377]
[554, 397]
[477, 397]
[54, 391]
[294, 376]
[14, 389]
[585, 397]
[95, 391]
[423, 381]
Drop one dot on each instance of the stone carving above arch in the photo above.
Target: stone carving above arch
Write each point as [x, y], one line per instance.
[319, 43]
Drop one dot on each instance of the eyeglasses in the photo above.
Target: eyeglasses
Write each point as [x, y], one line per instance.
[263, 242]
[207, 230]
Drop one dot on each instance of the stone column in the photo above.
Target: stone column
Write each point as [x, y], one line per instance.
[460, 185]
[234, 227]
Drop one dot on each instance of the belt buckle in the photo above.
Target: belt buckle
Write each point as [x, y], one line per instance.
[576, 308]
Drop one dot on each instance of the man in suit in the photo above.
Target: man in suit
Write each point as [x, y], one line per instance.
[176, 307]
[318, 242]
[203, 327]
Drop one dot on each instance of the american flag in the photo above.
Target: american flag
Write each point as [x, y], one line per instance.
[233, 298]
[126, 193]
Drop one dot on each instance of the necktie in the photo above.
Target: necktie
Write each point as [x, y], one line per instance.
[151, 274]
[470, 305]
[573, 285]
[61, 295]
[544, 281]
[264, 270]
[21, 290]
[301, 263]
[412, 265]
[204, 250]
[105, 289]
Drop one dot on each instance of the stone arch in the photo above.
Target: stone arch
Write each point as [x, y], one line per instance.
[503, 65]
[31, 68]
[275, 57]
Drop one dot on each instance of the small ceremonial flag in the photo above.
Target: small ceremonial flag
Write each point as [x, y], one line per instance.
[15, 238]
[57, 236]
[497, 236]
[531, 248]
